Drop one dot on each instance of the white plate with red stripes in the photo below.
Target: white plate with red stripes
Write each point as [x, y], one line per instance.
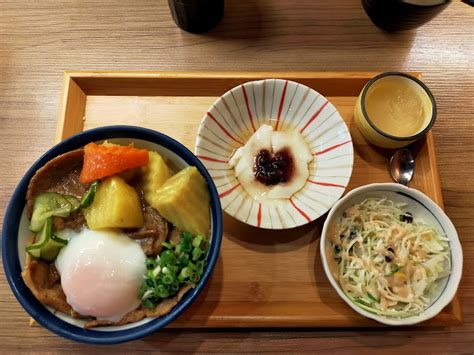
[285, 105]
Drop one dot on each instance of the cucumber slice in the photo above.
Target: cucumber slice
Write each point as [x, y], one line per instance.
[47, 245]
[41, 239]
[59, 204]
[50, 251]
[40, 214]
[59, 241]
[49, 204]
[88, 198]
[73, 201]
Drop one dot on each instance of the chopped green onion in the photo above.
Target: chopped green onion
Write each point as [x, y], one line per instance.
[167, 257]
[197, 252]
[143, 290]
[192, 266]
[156, 271]
[186, 237]
[173, 269]
[150, 264]
[175, 286]
[186, 273]
[176, 265]
[149, 282]
[162, 291]
[197, 241]
[167, 245]
[147, 294]
[148, 304]
[184, 260]
[167, 279]
[186, 247]
[200, 267]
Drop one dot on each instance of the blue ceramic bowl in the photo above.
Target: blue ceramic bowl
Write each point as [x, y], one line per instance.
[15, 234]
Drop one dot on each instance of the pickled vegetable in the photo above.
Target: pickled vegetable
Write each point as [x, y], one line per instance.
[184, 201]
[48, 204]
[88, 197]
[46, 245]
[154, 176]
[116, 205]
[41, 239]
[51, 250]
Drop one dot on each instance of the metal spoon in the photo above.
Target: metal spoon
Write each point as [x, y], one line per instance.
[402, 166]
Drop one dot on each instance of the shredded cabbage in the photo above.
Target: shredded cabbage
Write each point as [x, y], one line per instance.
[389, 263]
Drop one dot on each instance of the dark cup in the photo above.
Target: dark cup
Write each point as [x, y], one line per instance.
[196, 16]
[397, 15]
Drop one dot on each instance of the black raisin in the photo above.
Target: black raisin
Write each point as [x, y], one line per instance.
[353, 233]
[388, 258]
[337, 249]
[407, 217]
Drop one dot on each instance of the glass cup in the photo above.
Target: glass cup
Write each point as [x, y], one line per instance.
[396, 15]
[394, 109]
[196, 16]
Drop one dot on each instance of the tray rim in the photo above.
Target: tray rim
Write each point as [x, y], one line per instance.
[222, 74]
[65, 127]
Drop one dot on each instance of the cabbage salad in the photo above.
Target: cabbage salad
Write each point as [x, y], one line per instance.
[388, 262]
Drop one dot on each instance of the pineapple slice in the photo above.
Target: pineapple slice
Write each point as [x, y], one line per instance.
[153, 176]
[115, 205]
[184, 201]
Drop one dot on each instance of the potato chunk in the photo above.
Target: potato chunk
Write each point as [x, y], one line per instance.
[154, 175]
[116, 205]
[184, 201]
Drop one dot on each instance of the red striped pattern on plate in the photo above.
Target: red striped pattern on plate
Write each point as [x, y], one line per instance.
[284, 104]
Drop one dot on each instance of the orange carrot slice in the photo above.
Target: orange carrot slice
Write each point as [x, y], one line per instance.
[109, 159]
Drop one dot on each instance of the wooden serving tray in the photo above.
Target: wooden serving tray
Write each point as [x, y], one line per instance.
[262, 278]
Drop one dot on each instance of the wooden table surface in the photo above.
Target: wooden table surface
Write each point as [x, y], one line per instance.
[41, 39]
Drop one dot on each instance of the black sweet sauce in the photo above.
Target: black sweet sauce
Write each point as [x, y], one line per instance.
[273, 169]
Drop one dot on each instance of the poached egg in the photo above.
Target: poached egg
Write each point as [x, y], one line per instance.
[101, 273]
